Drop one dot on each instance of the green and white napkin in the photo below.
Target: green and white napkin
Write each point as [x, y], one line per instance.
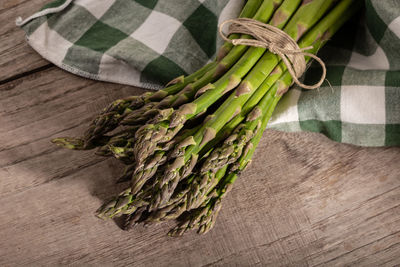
[148, 42]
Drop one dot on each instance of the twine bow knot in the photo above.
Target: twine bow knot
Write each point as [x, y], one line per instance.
[277, 42]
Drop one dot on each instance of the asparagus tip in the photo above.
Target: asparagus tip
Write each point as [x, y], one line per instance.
[70, 143]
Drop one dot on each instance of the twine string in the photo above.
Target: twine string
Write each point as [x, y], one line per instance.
[277, 42]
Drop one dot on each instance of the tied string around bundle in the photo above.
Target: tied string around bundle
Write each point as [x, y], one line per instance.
[277, 42]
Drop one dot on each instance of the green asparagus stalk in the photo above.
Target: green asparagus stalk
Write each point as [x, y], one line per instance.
[124, 203]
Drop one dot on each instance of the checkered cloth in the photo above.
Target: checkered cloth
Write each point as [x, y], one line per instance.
[148, 42]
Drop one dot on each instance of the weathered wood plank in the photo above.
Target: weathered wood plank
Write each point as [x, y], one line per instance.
[40, 107]
[16, 56]
[305, 201]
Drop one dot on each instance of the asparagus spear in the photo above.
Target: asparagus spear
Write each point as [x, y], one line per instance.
[124, 203]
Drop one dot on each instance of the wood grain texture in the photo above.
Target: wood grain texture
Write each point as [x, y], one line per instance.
[304, 201]
[16, 57]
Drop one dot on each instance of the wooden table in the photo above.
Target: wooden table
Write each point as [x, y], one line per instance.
[305, 200]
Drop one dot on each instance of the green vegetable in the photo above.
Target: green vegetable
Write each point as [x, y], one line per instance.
[181, 164]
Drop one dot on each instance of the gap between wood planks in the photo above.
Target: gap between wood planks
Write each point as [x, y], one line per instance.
[27, 73]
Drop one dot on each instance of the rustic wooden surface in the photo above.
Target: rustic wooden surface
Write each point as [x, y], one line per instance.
[305, 201]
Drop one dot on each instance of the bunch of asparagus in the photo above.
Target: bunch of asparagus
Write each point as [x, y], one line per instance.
[185, 145]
